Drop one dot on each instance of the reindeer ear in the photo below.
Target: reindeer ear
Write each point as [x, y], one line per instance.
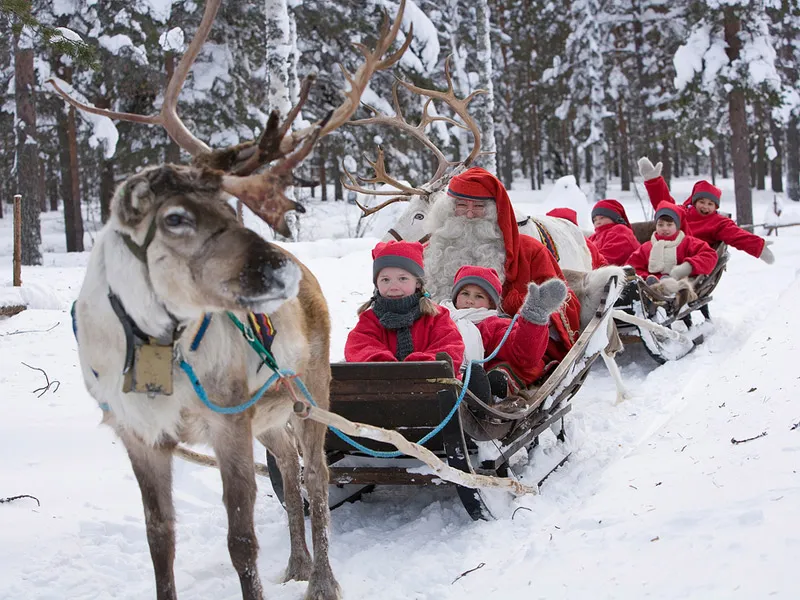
[134, 199]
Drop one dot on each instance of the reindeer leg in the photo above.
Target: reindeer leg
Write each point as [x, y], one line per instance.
[282, 446]
[613, 368]
[322, 585]
[153, 469]
[234, 450]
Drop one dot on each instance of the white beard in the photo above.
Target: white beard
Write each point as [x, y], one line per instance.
[461, 241]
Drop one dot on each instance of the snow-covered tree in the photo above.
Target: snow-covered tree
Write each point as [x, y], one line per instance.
[730, 50]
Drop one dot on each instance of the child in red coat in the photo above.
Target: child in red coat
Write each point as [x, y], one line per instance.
[522, 358]
[701, 213]
[598, 260]
[670, 252]
[612, 232]
[400, 322]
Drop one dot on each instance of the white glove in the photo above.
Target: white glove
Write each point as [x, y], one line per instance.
[767, 256]
[647, 170]
[681, 271]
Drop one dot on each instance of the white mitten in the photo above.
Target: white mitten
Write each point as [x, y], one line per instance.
[647, 170]
[767, 256]
[681, 271]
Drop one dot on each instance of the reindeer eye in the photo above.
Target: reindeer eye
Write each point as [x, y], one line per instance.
[178, 219]
[419, 216]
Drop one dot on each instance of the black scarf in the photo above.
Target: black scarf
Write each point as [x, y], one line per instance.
[399, 314]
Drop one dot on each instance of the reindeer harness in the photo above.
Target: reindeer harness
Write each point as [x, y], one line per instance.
[149, 359]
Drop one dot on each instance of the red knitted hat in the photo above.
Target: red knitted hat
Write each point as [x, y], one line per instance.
[703, 189]
[404, 255]
[470, 185]
[484, 277]
[668, 209]
[564, 213]
[611, 209]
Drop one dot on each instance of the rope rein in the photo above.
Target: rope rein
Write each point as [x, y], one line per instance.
[286, 377]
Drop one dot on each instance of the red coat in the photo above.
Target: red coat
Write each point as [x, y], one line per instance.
[598, 260]
[616, 242]
[712, 228]
[524, 349]
[369, 341]
[692, 250]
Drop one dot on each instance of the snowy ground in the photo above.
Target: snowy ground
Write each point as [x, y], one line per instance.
[655, 501]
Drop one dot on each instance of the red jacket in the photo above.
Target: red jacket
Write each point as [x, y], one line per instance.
[598, 260]
[369, 341]
[692, 250]
[616, 242]
[524, 349]
[712, 228]
[534, 262]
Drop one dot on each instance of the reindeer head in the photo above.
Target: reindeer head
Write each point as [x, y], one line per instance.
[411, 224]
[199, 257]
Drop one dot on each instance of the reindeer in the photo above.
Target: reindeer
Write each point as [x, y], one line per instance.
[563, 238]
[173, 261]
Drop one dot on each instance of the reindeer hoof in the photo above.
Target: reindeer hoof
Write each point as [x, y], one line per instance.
[298, 569]
[323, 587]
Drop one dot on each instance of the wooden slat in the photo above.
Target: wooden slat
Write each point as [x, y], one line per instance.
[377, 475]
[385, 387]
[390, 370]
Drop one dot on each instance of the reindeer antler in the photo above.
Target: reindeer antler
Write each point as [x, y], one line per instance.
[262, 193]
[446, 168]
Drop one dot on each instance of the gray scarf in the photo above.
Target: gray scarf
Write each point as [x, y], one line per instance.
[399, 314]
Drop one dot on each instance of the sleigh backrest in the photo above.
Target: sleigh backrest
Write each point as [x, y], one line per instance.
[405, 396]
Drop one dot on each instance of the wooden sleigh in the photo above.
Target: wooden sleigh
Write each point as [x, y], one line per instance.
[414, 398]
[664, 323]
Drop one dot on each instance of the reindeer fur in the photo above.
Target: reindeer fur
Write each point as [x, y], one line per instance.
[202, 261]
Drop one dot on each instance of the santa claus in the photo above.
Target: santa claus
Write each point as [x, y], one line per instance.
[474, 224]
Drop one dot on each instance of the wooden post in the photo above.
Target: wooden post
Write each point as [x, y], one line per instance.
[17, 240]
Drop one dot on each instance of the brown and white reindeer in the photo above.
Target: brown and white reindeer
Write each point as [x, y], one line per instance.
[171, 255]
[565, 239]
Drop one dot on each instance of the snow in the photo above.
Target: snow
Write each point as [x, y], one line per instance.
[103, 129]
[655, 501]
[172, 40]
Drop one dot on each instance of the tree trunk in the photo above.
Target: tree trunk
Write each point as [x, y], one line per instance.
[712, 157]
[484, 104]
[322, 148]
[41, 188]
[776, 164]
[27, 148]
[666, 159]
[338, 190]
[723, 158]
[70, 176]
[52, 184]
[107, 186]
[761, 148]
[624, 152]
[737, 107]
[793, 158]
[599, 143]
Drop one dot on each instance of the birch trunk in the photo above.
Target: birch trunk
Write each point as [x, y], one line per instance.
[484, 104]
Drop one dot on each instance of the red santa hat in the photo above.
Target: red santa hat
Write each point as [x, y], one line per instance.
[612, 210]
[564, 213]
[478, 184]
[403, 255]
[484, 277]
[669, 210]
[703, 189]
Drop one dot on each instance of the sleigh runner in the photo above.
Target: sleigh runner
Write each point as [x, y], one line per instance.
[415, 398]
